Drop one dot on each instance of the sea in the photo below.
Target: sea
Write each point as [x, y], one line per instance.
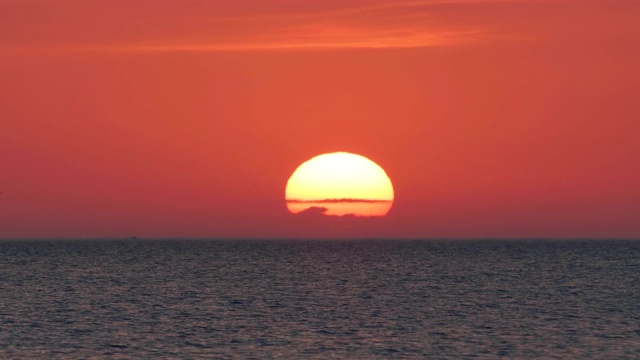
[320, 299]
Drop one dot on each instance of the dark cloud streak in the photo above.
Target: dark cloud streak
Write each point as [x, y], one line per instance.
[335, 201]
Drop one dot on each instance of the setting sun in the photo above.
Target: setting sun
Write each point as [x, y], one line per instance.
[340, 184]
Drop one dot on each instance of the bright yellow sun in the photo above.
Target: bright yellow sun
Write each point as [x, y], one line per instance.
[340, 184]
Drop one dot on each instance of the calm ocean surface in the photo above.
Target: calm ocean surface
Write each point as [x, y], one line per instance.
[320, 299]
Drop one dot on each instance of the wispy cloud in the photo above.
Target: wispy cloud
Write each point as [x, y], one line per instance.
[205, 27]
[350, 41]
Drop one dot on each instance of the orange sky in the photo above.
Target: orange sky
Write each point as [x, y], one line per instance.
[186, 118]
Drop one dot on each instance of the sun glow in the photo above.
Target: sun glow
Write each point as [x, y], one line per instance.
[340, 184]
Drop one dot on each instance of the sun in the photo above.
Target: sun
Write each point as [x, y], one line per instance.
[340, 184]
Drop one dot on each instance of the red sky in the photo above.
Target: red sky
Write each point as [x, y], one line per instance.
[157, 118]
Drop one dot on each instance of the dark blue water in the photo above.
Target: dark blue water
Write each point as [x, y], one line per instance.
[320, 299]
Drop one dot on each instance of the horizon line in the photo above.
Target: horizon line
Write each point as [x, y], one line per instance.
[272, 238]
